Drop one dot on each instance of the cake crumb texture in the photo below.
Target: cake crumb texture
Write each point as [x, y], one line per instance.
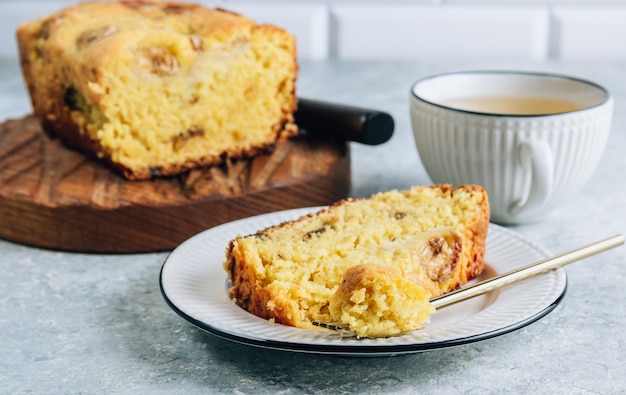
[156, 88]
[430, 236]
[376, 301]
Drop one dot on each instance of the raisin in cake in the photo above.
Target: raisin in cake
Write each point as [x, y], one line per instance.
[156, 88]
[297, 272]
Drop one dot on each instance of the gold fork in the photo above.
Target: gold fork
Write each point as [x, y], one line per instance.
[508, 278]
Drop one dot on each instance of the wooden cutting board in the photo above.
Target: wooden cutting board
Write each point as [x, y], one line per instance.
[56, 198]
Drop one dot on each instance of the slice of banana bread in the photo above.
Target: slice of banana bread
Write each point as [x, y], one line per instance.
[298, 271]
[156, 88]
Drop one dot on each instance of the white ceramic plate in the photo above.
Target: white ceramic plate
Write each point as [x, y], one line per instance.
[194, 285]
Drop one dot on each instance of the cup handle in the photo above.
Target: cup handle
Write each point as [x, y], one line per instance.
[535, 157]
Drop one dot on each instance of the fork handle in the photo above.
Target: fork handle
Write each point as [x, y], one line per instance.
[526, 272]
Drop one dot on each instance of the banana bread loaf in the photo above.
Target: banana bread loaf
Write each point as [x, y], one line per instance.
[155, 88]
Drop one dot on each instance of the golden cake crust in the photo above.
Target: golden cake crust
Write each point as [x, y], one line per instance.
[152, 88]
[269, 271]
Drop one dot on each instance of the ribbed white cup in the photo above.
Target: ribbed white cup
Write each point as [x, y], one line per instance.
[527, 163]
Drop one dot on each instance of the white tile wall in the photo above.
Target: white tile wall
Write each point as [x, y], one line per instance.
[414, 29]
[405, 31]
[590, 32]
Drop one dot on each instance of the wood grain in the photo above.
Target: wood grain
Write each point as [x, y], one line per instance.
[56, 198]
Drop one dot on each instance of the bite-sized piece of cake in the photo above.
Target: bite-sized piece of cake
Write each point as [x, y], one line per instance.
[377, 301]
[434, 235]
[156, 88]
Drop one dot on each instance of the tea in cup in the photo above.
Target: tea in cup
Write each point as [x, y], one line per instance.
[531, 139]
